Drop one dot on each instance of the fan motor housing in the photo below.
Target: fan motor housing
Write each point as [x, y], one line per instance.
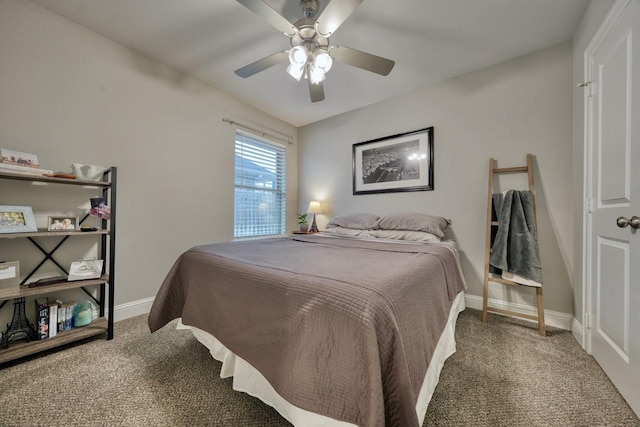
[308, 36]
[309, 8]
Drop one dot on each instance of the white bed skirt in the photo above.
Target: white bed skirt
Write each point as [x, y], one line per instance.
[247, 379]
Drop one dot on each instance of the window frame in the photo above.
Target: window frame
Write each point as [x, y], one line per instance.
[251, 224]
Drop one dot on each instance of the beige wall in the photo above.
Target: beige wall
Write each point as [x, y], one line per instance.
[504, 111]
[70, 95]
[591, 21]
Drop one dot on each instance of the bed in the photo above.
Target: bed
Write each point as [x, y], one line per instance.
[330, 330]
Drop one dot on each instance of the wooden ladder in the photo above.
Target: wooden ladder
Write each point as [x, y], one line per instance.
[492, 225]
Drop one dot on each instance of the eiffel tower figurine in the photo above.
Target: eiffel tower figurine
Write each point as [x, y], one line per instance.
[19, 328]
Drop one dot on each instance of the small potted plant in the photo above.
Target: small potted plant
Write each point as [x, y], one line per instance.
[303, 225]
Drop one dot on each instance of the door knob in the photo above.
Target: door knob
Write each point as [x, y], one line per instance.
[623, 222]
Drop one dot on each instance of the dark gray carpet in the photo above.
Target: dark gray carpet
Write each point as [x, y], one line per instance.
[503, 374]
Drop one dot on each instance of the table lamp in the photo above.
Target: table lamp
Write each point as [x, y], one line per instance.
[314, 208]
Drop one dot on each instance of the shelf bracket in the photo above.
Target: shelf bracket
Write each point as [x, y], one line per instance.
[97, 301]
[47, 256]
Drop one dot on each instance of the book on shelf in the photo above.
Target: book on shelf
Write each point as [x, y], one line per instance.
[42, 318]
[21, 163]
[68, 321]
[7, 167]
[62, 315]
[48, 281]
[53, 319]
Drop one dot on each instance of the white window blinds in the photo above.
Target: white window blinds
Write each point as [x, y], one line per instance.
[260, 187]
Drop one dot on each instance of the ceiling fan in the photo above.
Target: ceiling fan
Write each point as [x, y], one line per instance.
[311, 54]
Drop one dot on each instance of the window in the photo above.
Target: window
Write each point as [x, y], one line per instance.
[260, 187]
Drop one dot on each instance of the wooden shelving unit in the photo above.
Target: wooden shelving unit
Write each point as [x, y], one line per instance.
[52, 233]
[26, 291]
[53, 180]
[21, 349]
[105, 284]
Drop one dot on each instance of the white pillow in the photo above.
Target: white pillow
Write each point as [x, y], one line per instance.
[413, 236]
[343, 231]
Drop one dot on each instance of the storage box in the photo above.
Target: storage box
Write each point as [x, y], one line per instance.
[9, 275]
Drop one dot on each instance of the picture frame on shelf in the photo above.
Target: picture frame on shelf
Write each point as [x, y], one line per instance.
[9, 275]
[17, 219]
[99, 208]
[396, 163]
[63, 223]
[18, 158]
[85, 269]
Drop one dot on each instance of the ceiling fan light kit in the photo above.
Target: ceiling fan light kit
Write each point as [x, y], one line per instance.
[311, 55]
[312, 64]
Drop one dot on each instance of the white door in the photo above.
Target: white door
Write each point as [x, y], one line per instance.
[614, 251]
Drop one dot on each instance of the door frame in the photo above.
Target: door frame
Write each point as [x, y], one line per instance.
[588, 189]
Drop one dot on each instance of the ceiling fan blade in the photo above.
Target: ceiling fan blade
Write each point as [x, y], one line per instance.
[334, 14]
[263, 10]
[364, 60]
[316, 91]
[263, 64]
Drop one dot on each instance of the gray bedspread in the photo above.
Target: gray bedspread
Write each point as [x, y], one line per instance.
[339, 327]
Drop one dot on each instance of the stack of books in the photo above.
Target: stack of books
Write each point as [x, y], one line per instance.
[53, 317]
[18, 162]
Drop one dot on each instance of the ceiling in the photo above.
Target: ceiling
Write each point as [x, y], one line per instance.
[430, 41]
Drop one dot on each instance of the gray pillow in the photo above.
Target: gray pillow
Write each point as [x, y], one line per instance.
[357, 221]
[414, 222]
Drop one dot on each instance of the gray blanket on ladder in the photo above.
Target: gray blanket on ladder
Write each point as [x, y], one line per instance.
[515, 246]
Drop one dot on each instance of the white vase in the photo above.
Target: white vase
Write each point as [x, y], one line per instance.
[87, 172]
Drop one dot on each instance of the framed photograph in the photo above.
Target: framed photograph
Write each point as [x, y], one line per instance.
[17, 219]
[402, 162]
[61, 223]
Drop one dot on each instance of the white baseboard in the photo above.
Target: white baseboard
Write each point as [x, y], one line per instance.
[552, 318]
[132, 309]
[577, 331]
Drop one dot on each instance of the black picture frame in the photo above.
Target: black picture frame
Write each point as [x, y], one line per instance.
[395, 163]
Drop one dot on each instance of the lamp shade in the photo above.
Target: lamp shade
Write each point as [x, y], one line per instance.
[295, 71]
[298, 55]
[314, 207]
[322, 60]
[316, 75]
